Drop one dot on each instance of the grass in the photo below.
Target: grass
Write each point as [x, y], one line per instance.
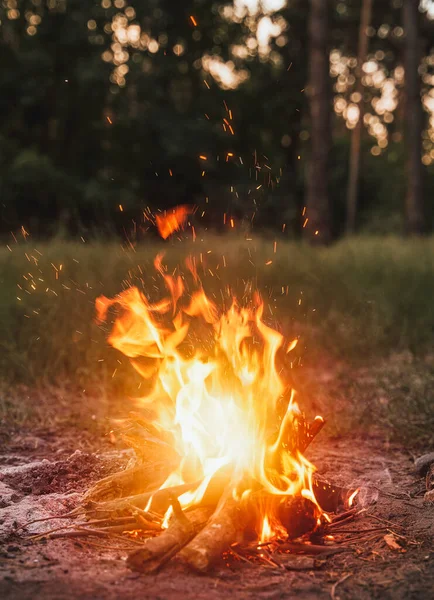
[358, 300]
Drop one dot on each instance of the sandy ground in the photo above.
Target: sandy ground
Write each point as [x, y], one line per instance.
[44, 476]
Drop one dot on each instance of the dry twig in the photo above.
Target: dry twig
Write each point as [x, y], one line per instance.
[335, 585]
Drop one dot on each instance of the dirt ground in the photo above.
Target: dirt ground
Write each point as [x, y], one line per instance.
[43, 474]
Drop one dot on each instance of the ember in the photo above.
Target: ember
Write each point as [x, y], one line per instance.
[172, 220]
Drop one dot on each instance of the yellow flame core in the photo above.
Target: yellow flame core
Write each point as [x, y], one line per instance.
[267, 531]
[215, 388]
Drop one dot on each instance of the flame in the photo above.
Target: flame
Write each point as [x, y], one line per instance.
[220, 399]
[267, 531]
[172, 221]
[353, 497]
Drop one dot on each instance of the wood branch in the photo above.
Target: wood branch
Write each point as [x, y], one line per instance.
[297, 437]
[106, 522]
[311, 431]
[129, 482]
[344, 515]
[133, 527]
[87, 532]
[223, 529]
[302, 434]
[299, 548]
[159, 550]
[161, 500]
[335, 524]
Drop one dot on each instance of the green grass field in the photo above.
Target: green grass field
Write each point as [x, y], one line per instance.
[357, 301]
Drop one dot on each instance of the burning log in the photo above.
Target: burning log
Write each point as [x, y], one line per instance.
[224, 528]
[329, 496]
[310, 433]
[159, 550]
[298, 516]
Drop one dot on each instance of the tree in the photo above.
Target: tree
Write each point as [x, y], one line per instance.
[414, 209]
[317, 198]
[353, 177]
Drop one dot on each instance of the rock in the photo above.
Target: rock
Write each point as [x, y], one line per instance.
[423, 463]
[429, 496]
[7, 495]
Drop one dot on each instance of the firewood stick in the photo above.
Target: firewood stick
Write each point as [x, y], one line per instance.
[146, 524]
[312, 431]
[344, 515]
[106, 522]
[84, 532]
[224, 528]
[134, 526]
[161, 500]
[299, 548]
[101, 523]
[159, 550]
[298, 439]
[335, 524]
[118, 526]
[129, 482]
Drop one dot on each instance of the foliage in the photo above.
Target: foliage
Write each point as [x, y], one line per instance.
[112, 103]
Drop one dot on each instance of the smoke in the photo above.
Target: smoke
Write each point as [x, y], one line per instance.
[369, 485]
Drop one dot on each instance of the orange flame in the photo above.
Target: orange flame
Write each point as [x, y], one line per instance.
[172, 221]
[353, 497]
[222, 401]
[267, 531]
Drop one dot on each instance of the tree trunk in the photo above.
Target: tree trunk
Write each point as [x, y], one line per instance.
[353, 176]
[414, 210]
[318, 226]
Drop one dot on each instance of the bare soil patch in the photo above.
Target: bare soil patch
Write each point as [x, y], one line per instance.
[43, 475]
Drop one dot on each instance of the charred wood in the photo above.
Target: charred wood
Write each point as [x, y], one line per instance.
[297, 515]
[329, 496]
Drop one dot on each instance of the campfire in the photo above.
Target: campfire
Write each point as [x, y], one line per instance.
[219, 437]
[220, 421]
